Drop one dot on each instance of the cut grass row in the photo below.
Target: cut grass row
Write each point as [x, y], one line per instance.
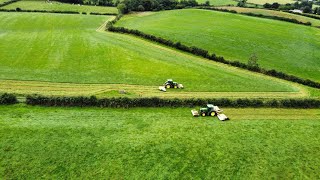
[58, 6]
[266, 12]
[66, 48]
[153, 143]
[237, 37]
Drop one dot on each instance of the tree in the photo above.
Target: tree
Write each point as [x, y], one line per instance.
[207, 3]
[140, 8]
[307, 9]
[275, 5]
[267, 5]
[122, 8]
[253, 62]
[242, 3]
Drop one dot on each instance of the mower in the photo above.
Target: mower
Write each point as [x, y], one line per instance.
[210, 110]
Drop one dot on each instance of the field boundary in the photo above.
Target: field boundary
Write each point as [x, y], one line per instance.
[8, 2]
[58, 12]
[205, 54]
[125, 102]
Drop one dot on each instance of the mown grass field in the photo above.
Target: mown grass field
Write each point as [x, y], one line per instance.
[58, 6]
[160, 143]
[304, 19]
[283, 46]
[67, 48]
[270, 1]
[219, 2]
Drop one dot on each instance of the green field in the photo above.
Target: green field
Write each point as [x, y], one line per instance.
[219, 2]
[271, 1]
[266, 12]
[283, 46]
[67, 48]
[150, 143]
[58, 6]
[3, 1]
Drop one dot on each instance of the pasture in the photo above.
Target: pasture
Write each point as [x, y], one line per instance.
[58, 6]
[270, 1]
[67, 48]
[38, 142]
[283, 46]
[266, 12]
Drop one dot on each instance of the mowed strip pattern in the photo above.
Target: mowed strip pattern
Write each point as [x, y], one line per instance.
[67, 48]
[58, 6]
[156, 143]
[279, 45]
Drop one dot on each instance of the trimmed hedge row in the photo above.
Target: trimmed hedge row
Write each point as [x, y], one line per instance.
[158, 102]
[205, 54]
[6, 99]
[39, 11]
[8, 2]
[260, 15]
[107, 14]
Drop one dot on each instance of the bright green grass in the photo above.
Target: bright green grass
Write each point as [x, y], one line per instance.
[64, 143]
[270, 1]
[219, 2]
[287, 47]
[315, 22]
[43, 5]
[66, 48]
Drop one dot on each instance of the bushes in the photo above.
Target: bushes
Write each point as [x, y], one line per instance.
[158, 102]
[107, 14]
[205, 54]
[7, 99]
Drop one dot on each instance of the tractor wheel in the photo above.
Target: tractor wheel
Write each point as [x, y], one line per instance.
[212, 113]
[203, 114]
[168, 86]
[175, 87]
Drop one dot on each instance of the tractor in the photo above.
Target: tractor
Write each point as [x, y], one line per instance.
[170, 84]
[210, 110]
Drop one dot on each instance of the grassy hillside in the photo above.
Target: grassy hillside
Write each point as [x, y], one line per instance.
[53, 5]
[287, 47]
[314, 22]
[66, 48]
[157, 143]
[270, 1]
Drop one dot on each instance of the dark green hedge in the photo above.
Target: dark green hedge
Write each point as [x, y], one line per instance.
[39, 11]
[259, 15]
[6, 99]
[158, 102]
[107, 14]
[204, 53]
[8, 2]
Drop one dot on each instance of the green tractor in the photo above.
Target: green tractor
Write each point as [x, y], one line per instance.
[170, 84]
[210, 110]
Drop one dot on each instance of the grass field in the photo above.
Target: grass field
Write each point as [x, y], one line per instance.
[66, 48]
[153, 143]
[219, 2]
[58, 6]
[314, 22]
[271, 1]
[3, 1]
[287, 47]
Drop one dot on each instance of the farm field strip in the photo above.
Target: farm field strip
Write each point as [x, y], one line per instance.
[245, 36]
[113, 90]
[304, 19]
[261, 2]
[157, 142]
[219, 2]
[58, 6]
[67, 48]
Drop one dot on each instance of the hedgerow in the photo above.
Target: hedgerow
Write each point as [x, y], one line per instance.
[124, 102]
[39, 11]
[6, 99]
[107, 14]
[205, 54]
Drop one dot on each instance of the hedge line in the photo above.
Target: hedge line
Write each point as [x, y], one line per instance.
[107, 14]
[260, 15]
[6, 99]
[158, 102]
[8, 2]
[205, 54]
[39, 11]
